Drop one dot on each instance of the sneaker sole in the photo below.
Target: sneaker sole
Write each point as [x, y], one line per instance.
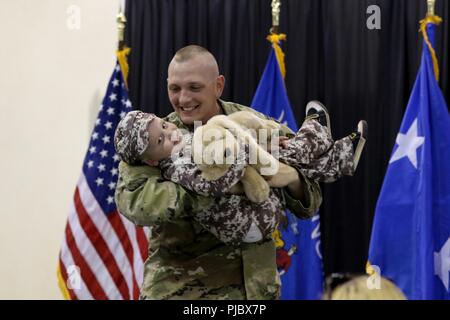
[326, 112]
[362, 128]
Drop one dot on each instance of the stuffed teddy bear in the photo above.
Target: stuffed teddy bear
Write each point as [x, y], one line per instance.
[217, 143]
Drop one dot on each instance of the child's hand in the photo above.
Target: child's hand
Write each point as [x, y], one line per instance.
[283, 142]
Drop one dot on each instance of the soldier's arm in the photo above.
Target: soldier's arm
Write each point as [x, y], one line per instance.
[308, 191]
[145, 198]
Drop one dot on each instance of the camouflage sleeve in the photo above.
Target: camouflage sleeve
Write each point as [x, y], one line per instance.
[145, 198]
[190, 177]
[312, 198]
[185, 172]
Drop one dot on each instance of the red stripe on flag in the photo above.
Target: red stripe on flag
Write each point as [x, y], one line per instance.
[100, 245]
[86, 273]
[142, 242]
[122, 234]
[62, 268]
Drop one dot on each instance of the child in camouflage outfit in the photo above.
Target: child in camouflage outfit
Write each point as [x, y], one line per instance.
[144, 138]
[232, 218]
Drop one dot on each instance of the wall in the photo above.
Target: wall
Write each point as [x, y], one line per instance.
[53, 76]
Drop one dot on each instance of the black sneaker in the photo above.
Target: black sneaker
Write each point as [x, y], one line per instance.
[315, 110]
[358, 139]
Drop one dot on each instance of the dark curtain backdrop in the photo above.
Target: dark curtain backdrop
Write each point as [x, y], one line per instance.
[330, 56]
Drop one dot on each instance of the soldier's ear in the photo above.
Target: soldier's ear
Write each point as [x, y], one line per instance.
[151, 163]
[220, 85]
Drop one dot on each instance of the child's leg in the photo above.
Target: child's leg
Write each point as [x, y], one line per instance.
[343, 158]
[332, 165]
[310, 143]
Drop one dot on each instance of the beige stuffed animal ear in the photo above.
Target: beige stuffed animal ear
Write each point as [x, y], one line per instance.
[258, 127]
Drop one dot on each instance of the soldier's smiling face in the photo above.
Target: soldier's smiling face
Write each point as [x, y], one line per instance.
[164, 139]
[194, 85]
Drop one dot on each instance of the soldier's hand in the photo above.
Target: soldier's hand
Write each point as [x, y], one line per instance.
[238, 188]
[284, 142]
[285, 176]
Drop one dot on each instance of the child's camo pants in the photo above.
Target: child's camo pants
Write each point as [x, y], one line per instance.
[319, 157]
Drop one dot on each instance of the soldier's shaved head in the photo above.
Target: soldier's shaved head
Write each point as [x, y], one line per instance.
[198, 53]
[190, 51]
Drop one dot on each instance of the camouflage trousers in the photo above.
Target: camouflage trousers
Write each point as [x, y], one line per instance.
[245, 272]
[319, 157]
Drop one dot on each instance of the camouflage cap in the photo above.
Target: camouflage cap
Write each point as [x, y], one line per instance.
[132, 136]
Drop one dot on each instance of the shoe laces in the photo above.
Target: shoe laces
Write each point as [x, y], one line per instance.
[312, 117]
[354, 135]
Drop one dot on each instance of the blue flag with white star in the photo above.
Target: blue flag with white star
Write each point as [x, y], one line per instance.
[299, 258]
[411, 232]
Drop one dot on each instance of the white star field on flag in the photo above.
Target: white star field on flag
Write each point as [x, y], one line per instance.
[101, 162]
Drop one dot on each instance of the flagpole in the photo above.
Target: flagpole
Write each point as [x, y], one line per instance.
[431, 7]
[431, 18]
[121, 22]
[122, 49]
[275, 16]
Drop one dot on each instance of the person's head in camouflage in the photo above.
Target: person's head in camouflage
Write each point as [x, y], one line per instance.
[194, 84]
[144, 137]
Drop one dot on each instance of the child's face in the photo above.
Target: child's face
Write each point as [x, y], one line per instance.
[164, 138]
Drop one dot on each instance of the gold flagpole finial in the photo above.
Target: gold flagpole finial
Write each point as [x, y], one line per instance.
[275, 16]
[121, 21]
[431, 6]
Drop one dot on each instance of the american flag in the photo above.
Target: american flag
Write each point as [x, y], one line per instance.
[102, 253]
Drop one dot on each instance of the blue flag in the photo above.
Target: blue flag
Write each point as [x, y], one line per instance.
[411, 232]
[299, 257]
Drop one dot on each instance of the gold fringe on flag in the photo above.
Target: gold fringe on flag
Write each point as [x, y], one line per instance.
[369, 269]
[423, 28]
[275, 40]
[62, 284]
[122, 58]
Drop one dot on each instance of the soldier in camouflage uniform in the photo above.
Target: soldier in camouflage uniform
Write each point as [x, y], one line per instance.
[185, 260]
